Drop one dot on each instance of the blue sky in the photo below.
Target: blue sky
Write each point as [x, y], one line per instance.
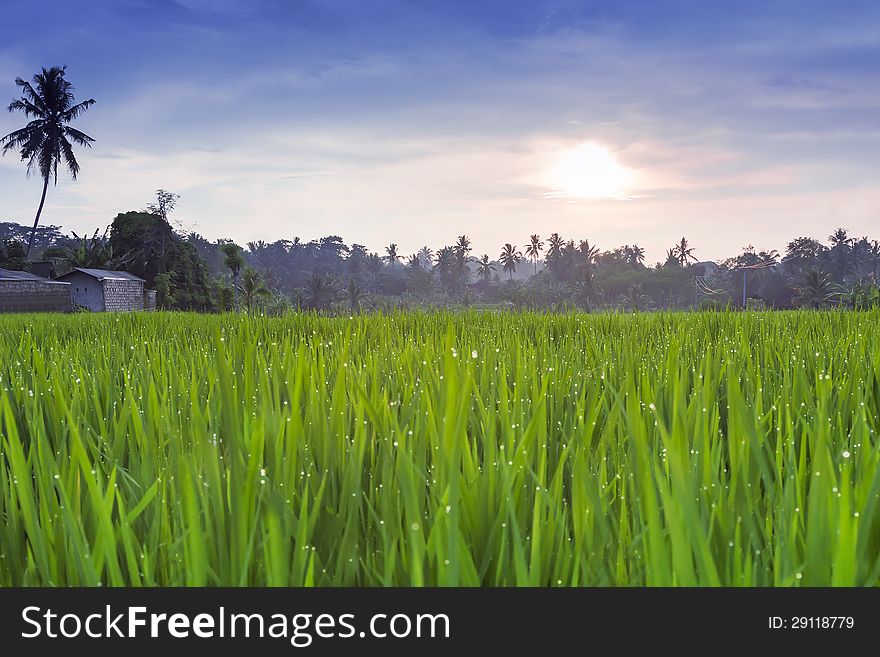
[415, 121]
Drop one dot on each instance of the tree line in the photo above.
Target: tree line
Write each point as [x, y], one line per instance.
[191, 272]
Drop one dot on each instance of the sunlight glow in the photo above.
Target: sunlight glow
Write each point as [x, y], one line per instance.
[590, 171]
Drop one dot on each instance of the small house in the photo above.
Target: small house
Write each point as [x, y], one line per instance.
[101, 290]
[24, 292]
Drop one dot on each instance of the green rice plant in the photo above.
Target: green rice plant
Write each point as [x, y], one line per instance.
[440, 449]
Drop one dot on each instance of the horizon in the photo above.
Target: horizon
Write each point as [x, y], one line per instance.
[415, 123]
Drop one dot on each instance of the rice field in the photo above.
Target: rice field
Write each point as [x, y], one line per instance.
[440, 449]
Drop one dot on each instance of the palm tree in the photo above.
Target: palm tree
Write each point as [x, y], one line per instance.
[46, 139]
[485, 267]
[634, 298]
[414, 262]
[684, 252]
[585, 290]
[637, 254]
[555, 244]
[671, 259]
[319, 291]
[354, 294]
[509, 257]
[533, 250]
[462, 247]
[815, 290]
[234, 261]
[426, 255]
[391, 255]
[253, 287]
[588, 251]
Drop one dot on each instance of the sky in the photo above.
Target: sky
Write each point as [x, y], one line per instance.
[415, 121]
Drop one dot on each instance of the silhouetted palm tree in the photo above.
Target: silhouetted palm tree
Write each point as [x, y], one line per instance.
[684, 252]
[253, 287]
[509, 257]
[485, 267]
[533, 250]
[637, 255]
[391, 255]
[319, 291]
[46, 140]
[426, 255]
[588, 251]
[233, 261]
[414, 262]
[554, 245]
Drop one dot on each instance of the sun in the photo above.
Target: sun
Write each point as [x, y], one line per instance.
[590, 171]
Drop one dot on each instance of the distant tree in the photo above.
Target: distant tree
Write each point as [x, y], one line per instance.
[12, 255]
[95, 252]
[509, 257]
[485, 267]
[533, 250]
[585, 290]
[46, 140]
[234, 262]
[320, 291]
[253, 287]
[391, 255]
[164, 204]
[354, 295]
[636, 255]
[461, 249]
[426, 256]
[635, 299]
[671, 259]
[684, 252]
[588, 251]
[815, 290]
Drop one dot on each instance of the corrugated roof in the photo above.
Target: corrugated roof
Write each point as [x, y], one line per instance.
[9, 275]
[104, 274]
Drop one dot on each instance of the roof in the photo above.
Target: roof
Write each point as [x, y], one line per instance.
[9, 275]
[105, 274]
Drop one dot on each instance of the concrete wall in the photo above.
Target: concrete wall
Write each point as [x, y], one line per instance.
[86, 291]
[123, 295]
[149, 299]
[34, 296]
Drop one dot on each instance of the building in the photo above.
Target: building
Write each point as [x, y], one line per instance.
[102, 290]
[23, 292]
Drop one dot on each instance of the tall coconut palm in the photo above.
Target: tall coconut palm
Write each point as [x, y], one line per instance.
[426, 255]
[684, 252]
[485, 267]
[509, 257]
[554, 246]
[233, 261]
[588, 251]
[391, 255]
[46, 140]
[414, 262]
[533, 250]
[637, 254]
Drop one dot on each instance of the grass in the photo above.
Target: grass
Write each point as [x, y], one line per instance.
[440, 449]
